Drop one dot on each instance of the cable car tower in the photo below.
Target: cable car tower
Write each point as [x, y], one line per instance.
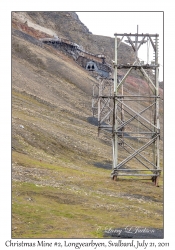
[131, 114]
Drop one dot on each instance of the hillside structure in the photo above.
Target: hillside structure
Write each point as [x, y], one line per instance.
[85, 59]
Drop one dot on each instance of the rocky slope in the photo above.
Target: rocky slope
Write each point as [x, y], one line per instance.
[60, 168]
[68, 25]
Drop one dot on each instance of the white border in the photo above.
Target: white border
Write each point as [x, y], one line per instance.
[5, 95]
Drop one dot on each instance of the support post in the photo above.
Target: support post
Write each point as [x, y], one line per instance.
[115, 141]
[99, 105]
[122, 115]
[157, 110]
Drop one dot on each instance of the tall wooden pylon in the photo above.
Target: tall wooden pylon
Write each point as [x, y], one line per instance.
[134, 117]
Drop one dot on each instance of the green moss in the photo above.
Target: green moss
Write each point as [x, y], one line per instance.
[49, 212]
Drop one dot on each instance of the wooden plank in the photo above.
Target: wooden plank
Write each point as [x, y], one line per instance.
[129, 34]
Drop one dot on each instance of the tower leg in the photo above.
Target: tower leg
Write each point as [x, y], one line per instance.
[157, 181]
[114, 177]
